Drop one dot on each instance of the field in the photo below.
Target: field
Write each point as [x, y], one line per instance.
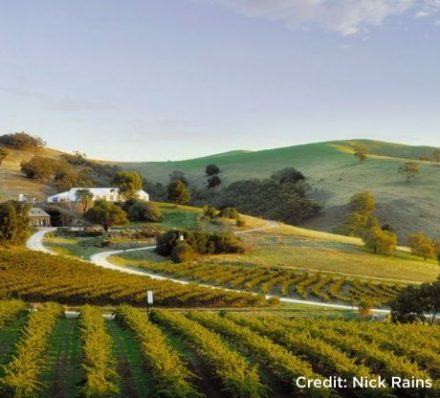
[281, 260]
[40, 277]
[207, 354]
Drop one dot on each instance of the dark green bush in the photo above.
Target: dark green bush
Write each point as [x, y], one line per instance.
[230, 212]
[139, 210]
[182, 253]
[200, 242]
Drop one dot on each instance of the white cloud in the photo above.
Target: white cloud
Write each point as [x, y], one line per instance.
[422, 14]
[345, 16]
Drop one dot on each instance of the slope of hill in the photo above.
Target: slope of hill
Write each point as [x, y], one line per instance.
[335, 174]
[332, 170]
[12, 182]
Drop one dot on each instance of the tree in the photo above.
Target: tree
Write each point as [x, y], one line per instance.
[288, 175]
[40, 168]
[417, 304]
[3, 153]
[85, 197]
[422, 245]
[410, 170]
[363, 202]
[380, 241]
[139, 210]
[361, 153]
[212, 169]
[214, 181]
[178, 192]
[178, 176]
[106, 214]
[436, 155]
[14, 222]
[129, 183]
[358, 224]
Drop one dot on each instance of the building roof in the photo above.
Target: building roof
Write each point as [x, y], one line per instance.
[37, 212]
[71, 194]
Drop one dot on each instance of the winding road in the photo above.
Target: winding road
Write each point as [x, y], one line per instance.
[35, 242]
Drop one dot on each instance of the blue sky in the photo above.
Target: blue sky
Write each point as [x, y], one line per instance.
[174, 79]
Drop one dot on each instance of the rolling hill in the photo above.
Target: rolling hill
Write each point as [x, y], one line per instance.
[335, 174]
[332, 170]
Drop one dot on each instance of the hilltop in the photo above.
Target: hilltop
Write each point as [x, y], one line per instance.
[332, 171]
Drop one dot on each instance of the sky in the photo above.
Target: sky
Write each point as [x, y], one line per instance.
[174, 79]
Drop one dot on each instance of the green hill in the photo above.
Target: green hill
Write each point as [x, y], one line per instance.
[332, 170]
[335, 174]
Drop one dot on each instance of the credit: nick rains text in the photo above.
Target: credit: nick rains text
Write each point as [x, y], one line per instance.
[363, 382]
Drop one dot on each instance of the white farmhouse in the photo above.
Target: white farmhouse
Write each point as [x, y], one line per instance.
[109, 194]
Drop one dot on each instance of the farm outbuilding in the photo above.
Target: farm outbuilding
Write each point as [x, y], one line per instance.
[38, 217]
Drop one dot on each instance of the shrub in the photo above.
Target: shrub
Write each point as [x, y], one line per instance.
[200, 242]
[230, 212]
[240, 222]
[139, 210]
[210, 212]
[21, 140]
[182, 253]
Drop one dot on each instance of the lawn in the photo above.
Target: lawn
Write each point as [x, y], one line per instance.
[77, 247]
[337, 255]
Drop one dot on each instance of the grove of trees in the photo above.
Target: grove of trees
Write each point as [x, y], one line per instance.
[200, 242]
[21, 140]
[281, 197]
[423, 246]
[363, 223]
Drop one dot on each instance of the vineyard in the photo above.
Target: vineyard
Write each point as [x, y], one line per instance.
[274, 280]
[207, 354]
[40, 277]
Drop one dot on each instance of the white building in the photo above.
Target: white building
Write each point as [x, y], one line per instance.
[109, 194]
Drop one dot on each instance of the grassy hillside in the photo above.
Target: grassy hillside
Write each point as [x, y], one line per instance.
[335, 174]
[333, 171]
[12, 182]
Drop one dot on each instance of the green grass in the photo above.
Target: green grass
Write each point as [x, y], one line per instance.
[335, 175]
[337, 257]
[135, 380]
[180, 217]
[63, 372]
[76, 247]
